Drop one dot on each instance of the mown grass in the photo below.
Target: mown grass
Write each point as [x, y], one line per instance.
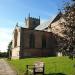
[53, 65]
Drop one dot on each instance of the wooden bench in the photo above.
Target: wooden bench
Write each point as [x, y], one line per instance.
[37, 68]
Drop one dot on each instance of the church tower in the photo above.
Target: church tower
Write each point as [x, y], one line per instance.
[31, 22]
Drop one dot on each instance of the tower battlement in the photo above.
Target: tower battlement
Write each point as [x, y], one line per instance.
[32, 22]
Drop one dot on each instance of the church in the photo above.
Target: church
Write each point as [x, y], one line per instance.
[29, 42]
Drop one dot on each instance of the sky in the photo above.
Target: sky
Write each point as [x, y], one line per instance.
[13, 11]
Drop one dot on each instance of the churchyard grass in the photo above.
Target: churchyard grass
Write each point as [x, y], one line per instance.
[53, 65]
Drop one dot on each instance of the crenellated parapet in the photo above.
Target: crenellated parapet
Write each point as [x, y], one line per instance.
[32, 22]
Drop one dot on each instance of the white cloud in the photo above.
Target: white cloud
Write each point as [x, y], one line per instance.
[5, 38]
[6, 29]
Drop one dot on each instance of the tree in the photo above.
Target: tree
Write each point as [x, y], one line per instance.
[9, 50]
[69, 16]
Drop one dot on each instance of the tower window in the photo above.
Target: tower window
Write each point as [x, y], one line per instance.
[32, 41]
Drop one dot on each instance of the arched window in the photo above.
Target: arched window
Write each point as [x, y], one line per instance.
[15, 38]
[43, 41]
[32, 41]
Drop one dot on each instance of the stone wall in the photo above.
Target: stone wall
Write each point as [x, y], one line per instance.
[38, 50]
[15, 53]
[37, 53]
[58, 27]
[44, 44]
[38, 39]
[16, 37]
[32, 22]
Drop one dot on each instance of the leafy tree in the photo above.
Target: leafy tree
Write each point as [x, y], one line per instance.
[3, 54]
[9, 50]
[69, 16]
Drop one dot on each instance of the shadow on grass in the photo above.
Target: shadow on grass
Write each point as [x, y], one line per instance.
[56, 74]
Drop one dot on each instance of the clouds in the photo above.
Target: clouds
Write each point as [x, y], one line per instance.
[13, 11]
[5, 38]
[6, 32]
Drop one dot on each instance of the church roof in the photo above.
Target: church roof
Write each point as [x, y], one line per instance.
[43, 25]
[59, 15]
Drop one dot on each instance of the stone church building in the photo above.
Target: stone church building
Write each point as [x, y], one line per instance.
[29, 42]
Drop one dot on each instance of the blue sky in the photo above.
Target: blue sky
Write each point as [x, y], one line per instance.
[13, 11]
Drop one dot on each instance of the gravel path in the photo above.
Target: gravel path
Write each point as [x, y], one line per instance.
[5, 69]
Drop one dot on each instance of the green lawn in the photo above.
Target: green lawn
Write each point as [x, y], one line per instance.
[53, 65]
